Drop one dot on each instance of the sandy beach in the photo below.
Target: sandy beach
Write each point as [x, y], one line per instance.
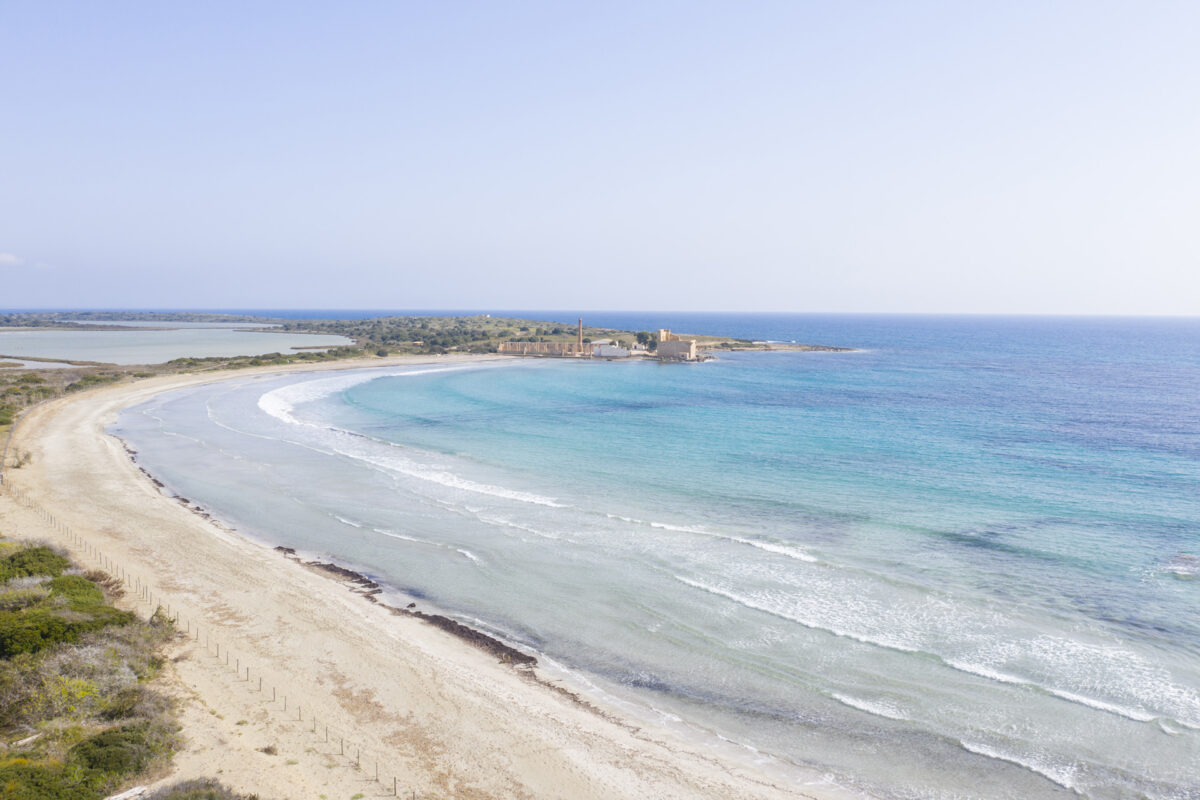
[347, 697]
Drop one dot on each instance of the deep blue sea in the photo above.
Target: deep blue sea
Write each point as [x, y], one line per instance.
[963, 561]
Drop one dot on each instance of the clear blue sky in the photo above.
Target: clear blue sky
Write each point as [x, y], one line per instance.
[926, 157]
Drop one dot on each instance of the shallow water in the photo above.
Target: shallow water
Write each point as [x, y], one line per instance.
[961, 563]
[153, 346]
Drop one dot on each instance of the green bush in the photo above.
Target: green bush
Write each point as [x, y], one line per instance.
[72, 667]
[33, 629]
[32, 781]
[32, 561]
[198, 790]
[88, 381]
[92, 769]
[79, 593]
[118, 751]
[14, 599]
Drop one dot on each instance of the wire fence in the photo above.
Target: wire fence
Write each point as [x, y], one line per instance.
[148, 601]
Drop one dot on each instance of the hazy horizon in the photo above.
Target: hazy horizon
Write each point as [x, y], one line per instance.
[773, 157]
[251, 311]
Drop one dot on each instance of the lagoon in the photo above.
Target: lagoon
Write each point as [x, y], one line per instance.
[143, 346]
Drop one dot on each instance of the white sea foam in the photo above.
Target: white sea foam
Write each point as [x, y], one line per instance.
[281, 403]
[515, 525]
[808, 623]
[664, 526]
[448, 479]
[1169, 729]
[770, 547]
[1062, 774]
[1135, 714]
[438, 545]
[879, 709]
[982, 671]
[780, 549]
[349, 522]
[394, 535]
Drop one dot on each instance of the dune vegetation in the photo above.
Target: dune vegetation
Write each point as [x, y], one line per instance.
[81, 713]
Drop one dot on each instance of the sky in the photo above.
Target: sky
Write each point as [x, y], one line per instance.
[954, 157]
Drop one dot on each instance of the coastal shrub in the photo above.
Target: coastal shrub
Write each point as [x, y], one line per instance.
[13, 598]
[32, 561]
[73, 606]
[35, 629]
[21, 780]
[92, 769]
[118, 751]
[76, 669]
[88, 381]
[103, 675]
[198, 790]
[76, 591]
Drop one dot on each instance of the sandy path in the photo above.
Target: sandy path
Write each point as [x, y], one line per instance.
[441, 718]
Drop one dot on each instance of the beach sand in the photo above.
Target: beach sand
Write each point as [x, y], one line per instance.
[349, 690]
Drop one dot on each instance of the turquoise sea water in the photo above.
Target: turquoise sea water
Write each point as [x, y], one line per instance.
[962, 562]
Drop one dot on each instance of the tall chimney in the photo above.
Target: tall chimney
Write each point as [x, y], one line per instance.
[579, 336]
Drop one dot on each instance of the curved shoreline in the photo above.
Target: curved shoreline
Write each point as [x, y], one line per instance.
[470, 727]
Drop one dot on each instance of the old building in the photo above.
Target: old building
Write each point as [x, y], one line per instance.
[672, 348]
[678, 350]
